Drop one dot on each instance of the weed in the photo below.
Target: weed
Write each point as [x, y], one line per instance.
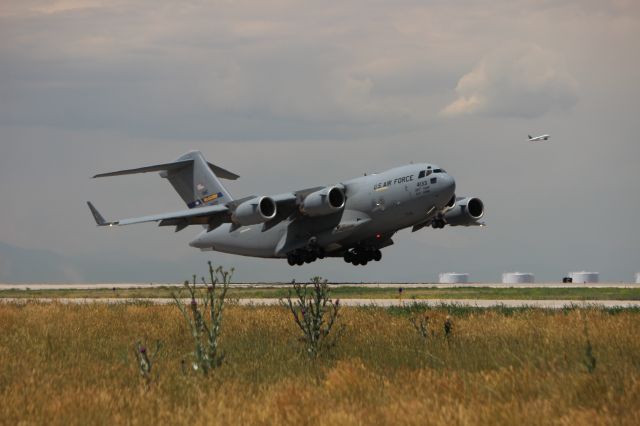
[146, 359]
[589, 359]
[421, 324]
[448, 327]
[205, 318]
[313, 312]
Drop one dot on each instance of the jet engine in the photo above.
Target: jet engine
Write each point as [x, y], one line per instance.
[466, 212]
[254, 211]
[323, 202]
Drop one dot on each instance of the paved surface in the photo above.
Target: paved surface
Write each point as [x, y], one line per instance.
[48, 286]
[546, 304]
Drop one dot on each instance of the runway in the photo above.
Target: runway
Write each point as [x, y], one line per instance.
[119, 286]
[540, 304]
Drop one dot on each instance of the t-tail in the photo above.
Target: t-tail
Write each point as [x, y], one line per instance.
[194, 179]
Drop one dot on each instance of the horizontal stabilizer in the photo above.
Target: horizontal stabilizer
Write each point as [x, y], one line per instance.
[157, 168]
[166, 167]
[222, 173]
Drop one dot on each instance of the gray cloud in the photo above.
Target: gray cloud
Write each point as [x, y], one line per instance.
[236, 70]
[516, 80]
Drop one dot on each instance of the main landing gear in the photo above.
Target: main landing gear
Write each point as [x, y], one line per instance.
[361, 256]
[438, 223]
[302, 256]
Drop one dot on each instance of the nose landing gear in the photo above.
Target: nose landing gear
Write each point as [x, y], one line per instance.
[362, 256]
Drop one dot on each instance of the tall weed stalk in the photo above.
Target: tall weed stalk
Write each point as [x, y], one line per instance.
[314, 313]
[204, 317]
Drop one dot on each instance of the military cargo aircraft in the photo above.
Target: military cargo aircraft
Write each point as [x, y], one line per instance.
[352, 219]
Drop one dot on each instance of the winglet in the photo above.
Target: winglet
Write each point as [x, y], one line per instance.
[98, 217]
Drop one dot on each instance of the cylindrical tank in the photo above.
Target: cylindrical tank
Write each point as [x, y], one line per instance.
[638, 278]
[453, 278]
[584, 277]
[517, 278]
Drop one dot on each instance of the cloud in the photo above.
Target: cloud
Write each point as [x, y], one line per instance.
[231, 70]
[516, 81]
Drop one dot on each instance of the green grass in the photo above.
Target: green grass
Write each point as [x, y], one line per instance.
[353, 292]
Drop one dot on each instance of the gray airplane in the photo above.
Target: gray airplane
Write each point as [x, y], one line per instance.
[353, 219]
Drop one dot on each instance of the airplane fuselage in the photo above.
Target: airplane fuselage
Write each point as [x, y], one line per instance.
[376, 206]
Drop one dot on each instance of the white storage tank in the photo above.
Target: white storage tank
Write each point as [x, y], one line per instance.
[453, 278]
[638, 278]
[584, 277]
[517, 278]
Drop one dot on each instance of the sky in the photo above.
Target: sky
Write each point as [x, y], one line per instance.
[295, 94]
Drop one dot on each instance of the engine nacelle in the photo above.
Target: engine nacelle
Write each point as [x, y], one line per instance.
[466, 212]
[326, 201]
[254, 211]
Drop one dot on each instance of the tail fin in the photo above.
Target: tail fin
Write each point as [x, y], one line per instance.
[192, 177]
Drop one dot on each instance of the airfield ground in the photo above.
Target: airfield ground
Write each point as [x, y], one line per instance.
[75, 364]
[364, 291]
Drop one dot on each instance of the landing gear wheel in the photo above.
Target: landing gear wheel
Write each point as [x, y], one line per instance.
[438, 223]
[377, 255]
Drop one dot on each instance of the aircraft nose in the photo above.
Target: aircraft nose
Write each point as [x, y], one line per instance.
[448, 185]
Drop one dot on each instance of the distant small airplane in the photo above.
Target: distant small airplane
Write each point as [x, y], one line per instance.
[538, 138]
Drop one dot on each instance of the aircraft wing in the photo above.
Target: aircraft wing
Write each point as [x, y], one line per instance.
[209, 215]
[213, 216]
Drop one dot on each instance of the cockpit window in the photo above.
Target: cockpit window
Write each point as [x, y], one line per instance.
[424, 173]
[439, 171]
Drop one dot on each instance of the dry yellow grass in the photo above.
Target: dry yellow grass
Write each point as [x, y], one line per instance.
[75, 365]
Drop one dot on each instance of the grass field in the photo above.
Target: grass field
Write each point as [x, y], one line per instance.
[344, 292]
[70, 364]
